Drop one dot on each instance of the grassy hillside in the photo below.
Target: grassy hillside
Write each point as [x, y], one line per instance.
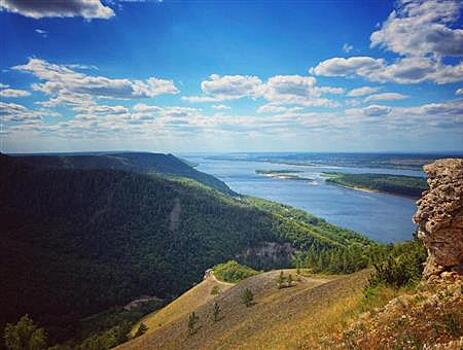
[158, 163]
[181, 307]
[75, 242]
[279, 319]
[294, 309]
[395, 184]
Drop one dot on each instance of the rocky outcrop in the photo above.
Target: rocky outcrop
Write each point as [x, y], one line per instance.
[440, 217]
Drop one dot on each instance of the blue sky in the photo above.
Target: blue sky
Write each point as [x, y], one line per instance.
[176, 76]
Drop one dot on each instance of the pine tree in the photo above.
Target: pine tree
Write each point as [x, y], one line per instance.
[281, 280]
[216, 312]
[247, 297]
[192, 320]
[25, 335]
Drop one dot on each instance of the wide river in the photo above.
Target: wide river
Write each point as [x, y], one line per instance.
[380, 216]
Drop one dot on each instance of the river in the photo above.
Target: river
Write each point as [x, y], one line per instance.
[380, 216]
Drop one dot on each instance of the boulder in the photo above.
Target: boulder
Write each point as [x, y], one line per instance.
[439, 217]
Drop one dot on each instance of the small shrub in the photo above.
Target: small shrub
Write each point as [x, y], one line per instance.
[453, 325]
[215, 290]
[142, 328]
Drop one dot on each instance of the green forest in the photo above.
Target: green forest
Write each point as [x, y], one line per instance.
[396, 184]
[77, 241]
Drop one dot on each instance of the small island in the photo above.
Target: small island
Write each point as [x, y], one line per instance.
[410, 186]
[287, 174]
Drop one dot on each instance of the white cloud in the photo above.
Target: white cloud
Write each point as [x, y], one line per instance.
[42, 33]
[88, 9]
[220, 107]
[63, 84]
[377, 110]
[100, 109]
[18, 113]
[275, 108]
[280, 89]
[404, 71]
[459, 91]
[227, 87]
[420, 33]
[298, 90]
[4, 86]
[338, 66]
[141, 107]
[14, 93]
[419, 28]
[438, 110]
[362, 91]
[347, 48]
[386, 96]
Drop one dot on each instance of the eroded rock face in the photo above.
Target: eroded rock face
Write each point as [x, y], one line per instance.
[440, 217]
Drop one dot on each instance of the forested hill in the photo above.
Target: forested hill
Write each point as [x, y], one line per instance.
[75, 242]
[140, 162]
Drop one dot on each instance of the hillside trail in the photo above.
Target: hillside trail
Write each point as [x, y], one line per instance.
[279, 318]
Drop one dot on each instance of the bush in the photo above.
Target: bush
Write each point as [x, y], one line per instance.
[402, 267]
[233, 272]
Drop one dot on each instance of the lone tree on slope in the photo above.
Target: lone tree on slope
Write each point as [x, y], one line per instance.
[247, 297]
[192, 321]
[216, 312]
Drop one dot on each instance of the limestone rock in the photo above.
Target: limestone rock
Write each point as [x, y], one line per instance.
[440, 216]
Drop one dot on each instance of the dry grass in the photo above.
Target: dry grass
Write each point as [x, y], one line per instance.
[287, 318]
[183, 305]
[429, 318]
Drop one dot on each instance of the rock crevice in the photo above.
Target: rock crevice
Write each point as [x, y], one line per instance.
[440, 217]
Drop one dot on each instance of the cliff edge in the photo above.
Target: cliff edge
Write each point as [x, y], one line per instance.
[439, 217]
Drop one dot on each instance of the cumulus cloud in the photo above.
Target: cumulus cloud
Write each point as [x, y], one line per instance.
[220, 107]
[419, 28]
[13, 112]
[420, 33]
[275, 108]
[459, 91]
[279, 89]
[64, 84]
[362, 91]
[14, 93]
[100, 109]
[296, 89]
[4, 86]
[377, 110]
[88, 9]
[387, 96]
[338, 66]
[404, 71]
[141, 107]
[227, 87]
[442, 109]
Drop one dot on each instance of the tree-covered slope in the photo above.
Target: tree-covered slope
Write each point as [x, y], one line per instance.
[140, 162]
[75, 242]
[396, 184]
